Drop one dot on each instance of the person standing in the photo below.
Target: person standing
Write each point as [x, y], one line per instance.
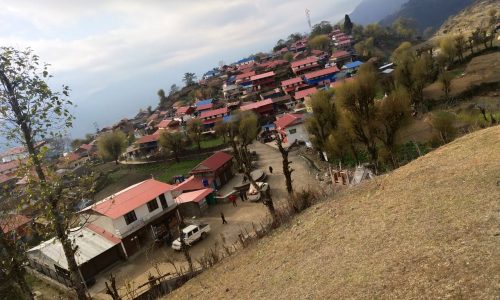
[243, 195]
[223, 218]
[233, 198]
[270, 169]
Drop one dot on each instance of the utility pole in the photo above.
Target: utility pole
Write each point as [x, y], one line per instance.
[308, 17]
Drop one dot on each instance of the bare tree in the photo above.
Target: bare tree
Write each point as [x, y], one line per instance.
[30, 110]
[287, 171]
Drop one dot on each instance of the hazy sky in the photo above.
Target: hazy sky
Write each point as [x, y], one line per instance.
[116, 54]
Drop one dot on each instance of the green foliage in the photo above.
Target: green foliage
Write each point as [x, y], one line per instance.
[322, 28]
[111, 145]
[162, 98]
[189, 78]
[324, 119]
[195, 130]
[320, 42]
[173, 142]
[288, 56]
[445, 81]
[444, 123]
[404, 27]
[347, 24]
[221, 129]
[365, 48]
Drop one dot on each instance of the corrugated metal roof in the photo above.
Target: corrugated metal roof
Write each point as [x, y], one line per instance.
[195, 196]
[308, 60]
[89, 245]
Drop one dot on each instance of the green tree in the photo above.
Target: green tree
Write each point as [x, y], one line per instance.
[189, 78]
[322, 28]
[365, 48]
[448, 48]
[221, 129]
[195, 131]
[288, 56]
[30, 110]
[130, 138]
[323, 121]
[460, 45]
[404, 27]
[444, 123]
[445, 81]
[392, 113]
[356, 101]
[173, 142]
[347, 24]
[162, 97]
[173, 89]
[320, 42]
[112, 144]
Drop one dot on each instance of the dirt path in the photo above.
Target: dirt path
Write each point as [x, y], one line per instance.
[303, 177]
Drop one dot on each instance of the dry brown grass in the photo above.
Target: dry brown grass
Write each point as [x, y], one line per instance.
[430, 229]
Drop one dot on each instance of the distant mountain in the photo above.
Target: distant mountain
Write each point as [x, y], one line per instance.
[427, 13]
[372, 11]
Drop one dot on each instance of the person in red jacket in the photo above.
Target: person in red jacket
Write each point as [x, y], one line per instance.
[232, 198]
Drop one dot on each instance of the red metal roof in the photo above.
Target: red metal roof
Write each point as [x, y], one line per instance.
[211, 121]
[321, 72]
[104, 233]
[167, 123]
[215, 112]
[9, 166]
[292, 81]
[308, 60]
[263, 75]
[131, 198]
[256, 104]
[205, 107]
[191, 184]
[245, 75]
[194, 196]
[183, 109]
[12, 151]
[148, 138]
[288, 120]
[339, 54]
[12, 222]
[304, 93]
[214, 162]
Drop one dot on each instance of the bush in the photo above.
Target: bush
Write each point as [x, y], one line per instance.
[444, 123]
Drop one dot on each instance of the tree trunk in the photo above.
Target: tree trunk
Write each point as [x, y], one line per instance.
[268, 202]
[52, 201]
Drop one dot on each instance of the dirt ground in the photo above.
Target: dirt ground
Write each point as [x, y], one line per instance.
[135, 270]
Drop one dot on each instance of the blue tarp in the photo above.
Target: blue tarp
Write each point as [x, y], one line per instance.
[354, 64]
[204, 102]
[269, 127]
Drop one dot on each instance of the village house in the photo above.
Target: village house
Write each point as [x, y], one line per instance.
[274, 93]
[298, 46]
[264, 107]
[321, 77]
[210, 117]
[168, 125]
[352, 67]
[263, 81]
[95, 251]
[340, 57]
[184, 110]
[301, 95]
[231, 91]
[244, 79]
[291, 128]
[17, 226]
[135, 214]
[290, 86]
[147, 145]
[12, 154]
[245, 61]
[304, 65]
[217, 169]
[195, 203]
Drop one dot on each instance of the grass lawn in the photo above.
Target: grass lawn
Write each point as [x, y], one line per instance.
[209, 143]
[164, 172]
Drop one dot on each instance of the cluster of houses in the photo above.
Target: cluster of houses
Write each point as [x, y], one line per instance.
[118, 226]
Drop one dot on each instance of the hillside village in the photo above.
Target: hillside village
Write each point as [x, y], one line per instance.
[235, 155]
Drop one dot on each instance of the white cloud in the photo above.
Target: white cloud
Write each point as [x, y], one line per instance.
[99, 43]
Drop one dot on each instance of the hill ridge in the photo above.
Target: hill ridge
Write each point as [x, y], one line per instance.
[428, 229]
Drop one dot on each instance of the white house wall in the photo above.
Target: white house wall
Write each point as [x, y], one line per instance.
[300, 134]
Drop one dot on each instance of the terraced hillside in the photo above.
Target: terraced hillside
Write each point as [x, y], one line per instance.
[430, 229]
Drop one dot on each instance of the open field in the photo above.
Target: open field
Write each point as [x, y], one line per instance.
[209, 143]
[427, 230]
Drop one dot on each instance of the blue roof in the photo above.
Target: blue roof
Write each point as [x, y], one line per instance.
[269, 126]
[211, 72]
[244, 60]
[204, 102]
[354, 64]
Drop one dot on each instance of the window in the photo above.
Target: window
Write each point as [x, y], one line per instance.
[152, 205]
[292, 131]
[130, 217]
[163, 201]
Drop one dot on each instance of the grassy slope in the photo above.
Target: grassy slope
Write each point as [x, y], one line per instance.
[427, 230]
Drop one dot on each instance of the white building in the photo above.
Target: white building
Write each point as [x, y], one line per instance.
[291, 127]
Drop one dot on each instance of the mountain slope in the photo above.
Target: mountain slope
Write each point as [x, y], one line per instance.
[427, 13]
[472, 17]
[430, 229]
[372, 11]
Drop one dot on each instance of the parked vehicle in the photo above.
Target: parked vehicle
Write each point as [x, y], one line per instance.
[191, 234]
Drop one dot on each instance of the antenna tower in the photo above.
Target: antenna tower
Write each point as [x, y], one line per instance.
[308, 17]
